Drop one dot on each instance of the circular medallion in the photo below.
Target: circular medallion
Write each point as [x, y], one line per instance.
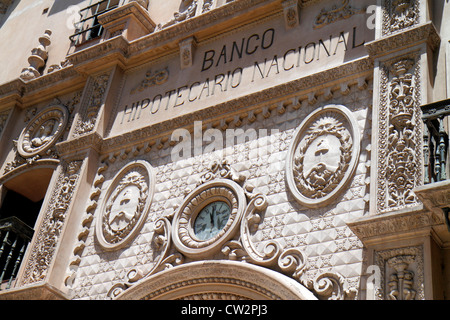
[209, 217]
[42, 131]
[323, 155]
[125, 206]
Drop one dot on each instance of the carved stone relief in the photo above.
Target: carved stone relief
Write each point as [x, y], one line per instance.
[155, 78]
[3, 119]
[93, 101]
[323, 155]
[46, 240]
[177, 242]
[402, 274]
[43, 131]
[399, 15]
[399, 167]
[125, 206]
[344, 11]
[187, 10]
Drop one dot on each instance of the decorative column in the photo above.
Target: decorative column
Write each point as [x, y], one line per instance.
[399, 231]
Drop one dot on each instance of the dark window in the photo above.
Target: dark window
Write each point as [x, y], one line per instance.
[88, 27]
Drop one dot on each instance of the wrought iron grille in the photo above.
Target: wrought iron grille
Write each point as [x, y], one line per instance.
[14, 238]
[435, 140]
[88, 28]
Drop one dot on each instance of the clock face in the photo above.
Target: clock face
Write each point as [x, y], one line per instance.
[211, 220]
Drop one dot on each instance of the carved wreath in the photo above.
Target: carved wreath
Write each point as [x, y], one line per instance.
[131, 179]
[115, 229]
[315, 188]
[42, 131]
[323, 155]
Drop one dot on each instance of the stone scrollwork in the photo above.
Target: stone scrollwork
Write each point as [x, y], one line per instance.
[323, 155]
[43, 131]
[125, 206]
[176, 241]
[344, 11]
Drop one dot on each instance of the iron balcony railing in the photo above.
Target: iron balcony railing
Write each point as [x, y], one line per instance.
[14, 238]
[88, 28]
[435, 140]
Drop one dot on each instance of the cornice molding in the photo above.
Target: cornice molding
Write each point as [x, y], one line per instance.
[243, 104]
[425, 33]
[395, 226]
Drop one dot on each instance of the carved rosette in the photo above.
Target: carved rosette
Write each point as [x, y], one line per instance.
[43, 131]
[323, 155]
[125, 206]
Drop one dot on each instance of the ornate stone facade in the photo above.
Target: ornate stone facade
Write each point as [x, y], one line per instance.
[250, 149]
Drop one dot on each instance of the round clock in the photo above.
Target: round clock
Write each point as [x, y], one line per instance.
[209, 217]
[211, 220]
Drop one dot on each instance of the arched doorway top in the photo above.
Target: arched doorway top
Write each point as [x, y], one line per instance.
[217, 280]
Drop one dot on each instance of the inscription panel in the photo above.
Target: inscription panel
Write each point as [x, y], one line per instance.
[230, 66]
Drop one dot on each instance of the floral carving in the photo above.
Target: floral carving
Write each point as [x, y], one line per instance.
[399, 170]
[95, 100]
[400, 14]
[402, 281]
[47, 239]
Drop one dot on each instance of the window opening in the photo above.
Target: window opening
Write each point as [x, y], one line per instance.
[88, 28]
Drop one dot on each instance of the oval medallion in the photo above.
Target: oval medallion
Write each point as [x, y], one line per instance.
[323, 155]
[125, 206]
[42, 131]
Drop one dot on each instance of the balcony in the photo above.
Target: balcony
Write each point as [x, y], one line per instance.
[89, 28]
[14, 238]
[435, 193]
[435, 140]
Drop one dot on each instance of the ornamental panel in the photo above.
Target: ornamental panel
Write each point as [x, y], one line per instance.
[323, 155]
[125, 206]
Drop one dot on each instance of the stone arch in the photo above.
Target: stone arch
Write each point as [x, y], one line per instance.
[217, 280]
